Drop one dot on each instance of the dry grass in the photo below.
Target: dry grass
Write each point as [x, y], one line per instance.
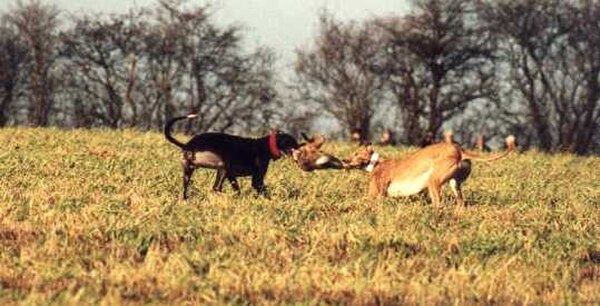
[95, 217]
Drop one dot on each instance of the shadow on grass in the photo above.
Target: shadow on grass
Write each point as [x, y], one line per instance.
[484, 198]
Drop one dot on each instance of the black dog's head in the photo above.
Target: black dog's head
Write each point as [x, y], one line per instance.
[286, 143]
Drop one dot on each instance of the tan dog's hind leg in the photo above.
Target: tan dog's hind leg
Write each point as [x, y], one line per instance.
[455, 186]
[445, 170]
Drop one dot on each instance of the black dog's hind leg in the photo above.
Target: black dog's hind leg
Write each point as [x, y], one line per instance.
[188, 170]
[218, 186]
[187, 177]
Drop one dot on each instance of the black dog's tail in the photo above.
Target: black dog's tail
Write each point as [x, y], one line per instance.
[170, 125]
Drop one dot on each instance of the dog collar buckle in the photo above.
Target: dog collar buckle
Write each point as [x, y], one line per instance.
[372, 162]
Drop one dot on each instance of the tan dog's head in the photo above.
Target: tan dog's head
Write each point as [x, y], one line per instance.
[360, 159]
[309, 156]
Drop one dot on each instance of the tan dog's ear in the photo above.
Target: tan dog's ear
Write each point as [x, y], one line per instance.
[369, 148]
[318, 141]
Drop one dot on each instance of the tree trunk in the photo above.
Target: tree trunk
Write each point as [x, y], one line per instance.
[588, 128]
[435, 115]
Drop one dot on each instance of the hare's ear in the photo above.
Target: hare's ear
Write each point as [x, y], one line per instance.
[306, 137]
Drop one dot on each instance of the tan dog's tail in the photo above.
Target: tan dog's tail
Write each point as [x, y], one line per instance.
[510, 146]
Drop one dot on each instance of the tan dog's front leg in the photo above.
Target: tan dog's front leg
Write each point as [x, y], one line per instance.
[374, 191]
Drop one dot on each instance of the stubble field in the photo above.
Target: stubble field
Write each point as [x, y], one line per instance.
[96, 216]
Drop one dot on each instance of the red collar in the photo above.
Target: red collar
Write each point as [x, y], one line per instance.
[273, 145]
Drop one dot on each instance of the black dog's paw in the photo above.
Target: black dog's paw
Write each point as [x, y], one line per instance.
[263, 192]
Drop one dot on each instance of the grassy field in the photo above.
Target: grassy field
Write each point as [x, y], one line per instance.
[96, 217]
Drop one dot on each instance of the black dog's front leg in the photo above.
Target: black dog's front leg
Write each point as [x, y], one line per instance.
[234, 183]
[258, 178]
[258, 184]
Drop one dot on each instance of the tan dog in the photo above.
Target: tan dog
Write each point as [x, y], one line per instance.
[309, 156]
[430, 167]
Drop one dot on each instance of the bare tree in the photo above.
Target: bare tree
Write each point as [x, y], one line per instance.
[551, 52]
[141, 68]
[226, 87]
[528, 33]
[97, 52]
[12, 58]
[337, 73]
[37, 24]
[584, 39]
[441, 61]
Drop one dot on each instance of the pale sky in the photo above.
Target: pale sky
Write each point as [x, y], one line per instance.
[282, 25]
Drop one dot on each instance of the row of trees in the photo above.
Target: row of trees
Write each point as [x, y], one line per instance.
[527, 67]
[130, 70]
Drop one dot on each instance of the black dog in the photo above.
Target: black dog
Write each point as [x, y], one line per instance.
[231, 156]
